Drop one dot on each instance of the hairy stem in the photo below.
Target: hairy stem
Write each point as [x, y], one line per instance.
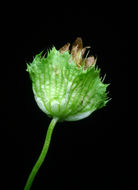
[42, 154]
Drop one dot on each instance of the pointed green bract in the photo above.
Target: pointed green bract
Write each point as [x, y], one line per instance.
[63, 90]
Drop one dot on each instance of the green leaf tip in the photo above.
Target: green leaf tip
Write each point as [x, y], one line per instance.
[66, 84]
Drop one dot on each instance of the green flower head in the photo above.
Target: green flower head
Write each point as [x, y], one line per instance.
[66, 84]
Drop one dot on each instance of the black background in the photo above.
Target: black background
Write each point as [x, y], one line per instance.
[99, 151]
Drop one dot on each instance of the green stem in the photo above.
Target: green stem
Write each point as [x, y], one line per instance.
[42, 155]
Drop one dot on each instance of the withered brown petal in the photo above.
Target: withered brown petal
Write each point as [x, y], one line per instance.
[78, 43]
[83, 50]
[64, 48]
[89, 61]
[74, 51]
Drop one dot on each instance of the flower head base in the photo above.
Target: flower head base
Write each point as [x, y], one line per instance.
[67, 85]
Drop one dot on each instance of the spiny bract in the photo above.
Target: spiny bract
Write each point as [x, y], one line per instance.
[67, 85]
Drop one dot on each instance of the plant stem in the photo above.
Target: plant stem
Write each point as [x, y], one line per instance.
[42, 154]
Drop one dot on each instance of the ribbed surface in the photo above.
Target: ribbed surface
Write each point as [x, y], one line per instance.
[64, 91]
